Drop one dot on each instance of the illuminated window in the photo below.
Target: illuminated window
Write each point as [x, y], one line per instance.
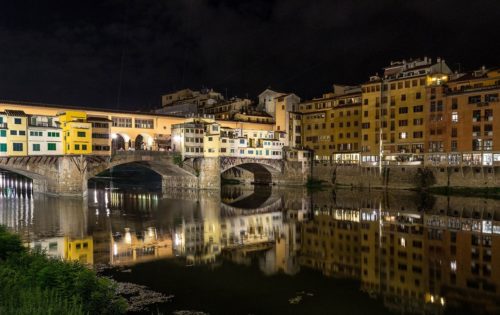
[454, 117]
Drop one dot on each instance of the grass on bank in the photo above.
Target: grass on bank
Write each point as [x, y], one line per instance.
[32, 283]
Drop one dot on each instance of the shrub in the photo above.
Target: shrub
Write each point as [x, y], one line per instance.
[31, 281]
[9, 243]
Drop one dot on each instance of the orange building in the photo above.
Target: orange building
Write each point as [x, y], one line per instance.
[462, 119]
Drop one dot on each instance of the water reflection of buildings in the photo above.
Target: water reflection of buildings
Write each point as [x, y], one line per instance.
[67, 248]
[416, 261]
[417, 253]
[129, 247]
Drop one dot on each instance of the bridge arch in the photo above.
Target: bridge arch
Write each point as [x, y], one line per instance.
[143, 141]
[264, 171]
[120, 141]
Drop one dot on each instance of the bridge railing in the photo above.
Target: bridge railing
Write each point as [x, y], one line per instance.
[139, 155]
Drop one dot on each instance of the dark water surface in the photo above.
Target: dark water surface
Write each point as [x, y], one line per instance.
[267, 250]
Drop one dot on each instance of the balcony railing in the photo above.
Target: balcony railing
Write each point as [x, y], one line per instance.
[43, 124]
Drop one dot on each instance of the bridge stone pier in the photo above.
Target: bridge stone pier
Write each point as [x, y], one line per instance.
[68, 175]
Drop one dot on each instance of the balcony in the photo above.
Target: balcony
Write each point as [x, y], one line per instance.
[43, 124]
[3, 125]
[476, 134]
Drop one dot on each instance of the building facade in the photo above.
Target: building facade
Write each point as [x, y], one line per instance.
[77, 132]
[45, 136]
[394, 110]
[16, 138]
[101, 135]
[462, 115]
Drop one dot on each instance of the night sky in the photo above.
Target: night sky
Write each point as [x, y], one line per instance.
[78, 52]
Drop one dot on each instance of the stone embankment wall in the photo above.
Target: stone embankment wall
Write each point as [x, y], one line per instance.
[294, 173]
[407, 177]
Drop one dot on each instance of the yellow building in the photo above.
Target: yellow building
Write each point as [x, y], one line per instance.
[331, 125]
[211, 140]
[77, 132]
[394, 109]
[16, 137]
[284, 104]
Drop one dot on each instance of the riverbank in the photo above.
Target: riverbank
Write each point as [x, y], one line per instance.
[409, 177]
[487, 192]
[32, 283]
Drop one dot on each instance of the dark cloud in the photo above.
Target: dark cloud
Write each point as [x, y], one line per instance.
[79, 52]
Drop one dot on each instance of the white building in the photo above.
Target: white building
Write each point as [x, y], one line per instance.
[267, 101]
[3, 134]
[204, 137]
[251, 229]
[44, 136]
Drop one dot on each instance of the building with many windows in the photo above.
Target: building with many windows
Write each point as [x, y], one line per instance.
[101, 134]
[16, 139]
[462, 113]
[44, 136]
[330, 125]
[77, 132]
[395, 107]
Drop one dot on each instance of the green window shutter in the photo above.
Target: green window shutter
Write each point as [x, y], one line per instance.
[36, 147]
[51, 146]
[3, 133]
[3, 147]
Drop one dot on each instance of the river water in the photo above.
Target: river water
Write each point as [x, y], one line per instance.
[269, 250]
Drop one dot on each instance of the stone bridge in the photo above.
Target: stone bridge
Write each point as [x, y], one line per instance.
[68, 175]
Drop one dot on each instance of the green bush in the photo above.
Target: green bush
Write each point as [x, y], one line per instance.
[178, 159]
[9, 243]
[45, 283]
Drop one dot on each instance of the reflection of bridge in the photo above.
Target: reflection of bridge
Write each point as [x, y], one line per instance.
[271, 205]
[68, 175]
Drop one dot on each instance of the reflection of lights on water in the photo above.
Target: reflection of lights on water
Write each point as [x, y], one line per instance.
[453, 265]
[151, 232]
[115, 249]
[128, 236]
[95, 196]
[13, 186]
[177, 239]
